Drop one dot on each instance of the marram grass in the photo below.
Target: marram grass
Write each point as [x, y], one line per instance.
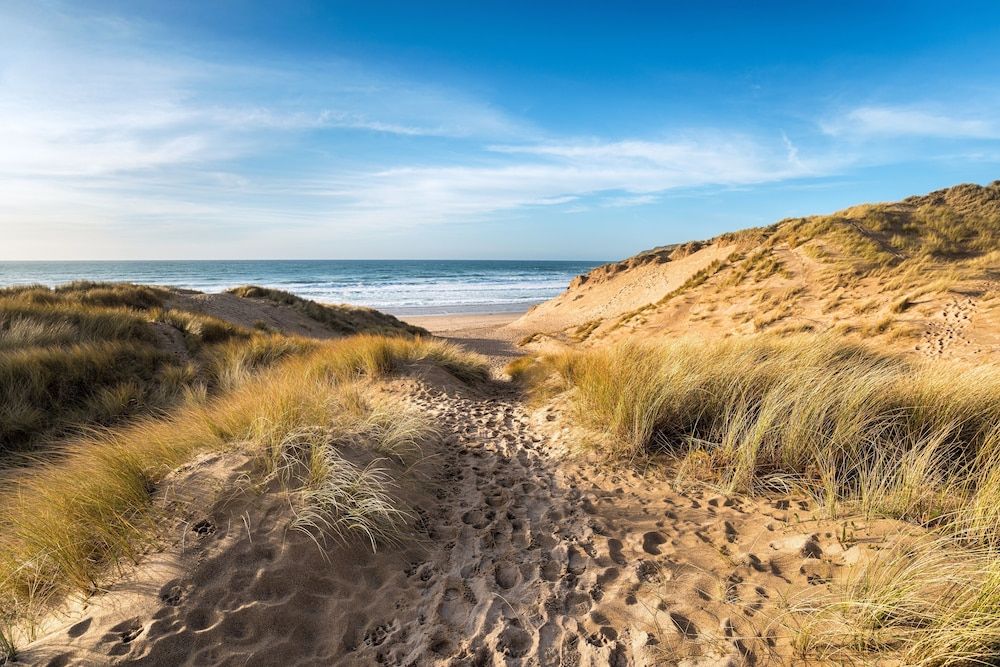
[838, 420]
[862, 432]
[68, 520]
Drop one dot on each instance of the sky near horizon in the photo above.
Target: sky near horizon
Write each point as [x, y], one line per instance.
[188, 129]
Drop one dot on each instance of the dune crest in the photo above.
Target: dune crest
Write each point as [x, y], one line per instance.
[920, 275]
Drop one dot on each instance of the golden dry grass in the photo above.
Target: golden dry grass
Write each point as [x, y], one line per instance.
[67, 521]
[93, 354]
[928, 600]
[862, 432]
[805, 410]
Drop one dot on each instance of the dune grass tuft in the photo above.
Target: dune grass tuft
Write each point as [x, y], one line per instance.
[928, 599]
[827, 416]
[850, 426]
[343, 318]
[90, 354]
[860, 431]
[66, 521]
[375, 355]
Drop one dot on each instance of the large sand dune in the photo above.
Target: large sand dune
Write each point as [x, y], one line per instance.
[919, 275]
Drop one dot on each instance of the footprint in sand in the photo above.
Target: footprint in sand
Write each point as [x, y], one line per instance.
[514, 642]
[171, 594]
[684, 625]
[506, 575]
[477, 519]
[577, 561]
[550, 570]
[651, 542]
[615, 551]
[79, 629]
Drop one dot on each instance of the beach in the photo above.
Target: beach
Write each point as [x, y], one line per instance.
[489, 334]
[398, 287]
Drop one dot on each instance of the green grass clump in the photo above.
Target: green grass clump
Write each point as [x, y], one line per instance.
[42, 387]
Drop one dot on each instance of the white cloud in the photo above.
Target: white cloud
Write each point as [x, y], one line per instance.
[106, 136]
[87, 96]
[900, 121]
[635, 200]
[554, 173]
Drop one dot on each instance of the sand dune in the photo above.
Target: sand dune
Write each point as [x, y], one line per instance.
[916, 276]
[522, 553]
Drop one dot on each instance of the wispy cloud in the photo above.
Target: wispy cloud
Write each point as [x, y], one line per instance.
[634, 200]
[123, 132]
[108, 132]
[85, 96]
[623, 173]
[903, 121]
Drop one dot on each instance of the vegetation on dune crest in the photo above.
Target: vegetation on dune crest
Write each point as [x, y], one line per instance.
[342, 318]
[90, 354]
[860, 431]
[907, 256]
[66, 521]
[959, 226]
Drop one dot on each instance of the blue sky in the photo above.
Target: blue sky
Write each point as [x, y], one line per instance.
[233, 129]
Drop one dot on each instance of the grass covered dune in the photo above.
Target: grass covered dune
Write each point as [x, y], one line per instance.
[96, 354]
[861, 432]
[291, 404]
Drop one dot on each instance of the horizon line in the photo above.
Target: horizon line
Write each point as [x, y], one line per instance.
[315, 259]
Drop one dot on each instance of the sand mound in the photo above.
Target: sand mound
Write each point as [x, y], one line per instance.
[292, 318]
[614, 289]
[916, 276]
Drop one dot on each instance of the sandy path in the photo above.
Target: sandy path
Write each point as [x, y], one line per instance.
[523, 553]
[547, 557]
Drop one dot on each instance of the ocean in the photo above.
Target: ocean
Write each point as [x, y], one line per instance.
[401, 287]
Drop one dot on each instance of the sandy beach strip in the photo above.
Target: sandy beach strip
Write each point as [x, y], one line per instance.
[489, 334]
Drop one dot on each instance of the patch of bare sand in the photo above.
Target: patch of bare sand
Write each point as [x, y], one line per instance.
[251, 313]
[488, 334]
[611, 293]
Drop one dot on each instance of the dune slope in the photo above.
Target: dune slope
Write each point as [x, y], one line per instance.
[918, 275]
[92, 354]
